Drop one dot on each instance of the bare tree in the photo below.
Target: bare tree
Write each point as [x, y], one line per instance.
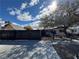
[46, 22]
[64, 15]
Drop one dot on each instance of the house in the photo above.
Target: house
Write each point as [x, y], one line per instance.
[7, 25]
[12, 27]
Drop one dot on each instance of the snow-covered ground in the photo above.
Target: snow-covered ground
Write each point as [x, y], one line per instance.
[40, 50]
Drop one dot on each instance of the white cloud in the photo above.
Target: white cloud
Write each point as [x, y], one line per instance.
[17, 11]
[23, 6]
[24, 16]
[20, 14]
[51, 8]
[47, 10]
[33, 2]
[41, 6]
[2, 23]
[12, 12]
[35, 25]
[16, 23]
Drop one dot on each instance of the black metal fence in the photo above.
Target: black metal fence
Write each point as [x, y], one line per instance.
[23, 34]
[19, 34]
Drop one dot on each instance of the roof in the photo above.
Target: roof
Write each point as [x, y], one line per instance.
[15, 27]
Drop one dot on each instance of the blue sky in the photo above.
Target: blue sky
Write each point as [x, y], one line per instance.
[25, 12]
